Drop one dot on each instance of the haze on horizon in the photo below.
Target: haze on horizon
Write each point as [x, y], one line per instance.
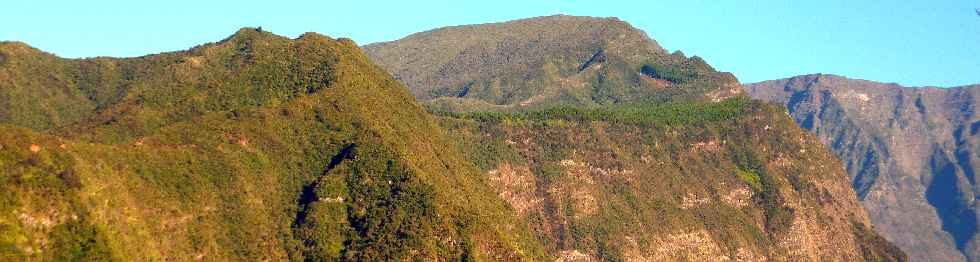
[913, 44]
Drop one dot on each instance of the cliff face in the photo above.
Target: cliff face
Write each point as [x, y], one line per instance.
[911, 154]
[735, 180]
[610, 148]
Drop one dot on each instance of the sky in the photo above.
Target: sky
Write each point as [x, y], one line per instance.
[913, 43]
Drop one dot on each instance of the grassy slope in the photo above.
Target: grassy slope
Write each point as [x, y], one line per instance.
[543, 61]
[256, 147]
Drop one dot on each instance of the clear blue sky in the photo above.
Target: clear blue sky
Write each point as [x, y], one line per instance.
[909, 42]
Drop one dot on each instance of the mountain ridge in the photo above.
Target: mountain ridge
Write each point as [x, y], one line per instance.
[209, 149]
[900, 145]
[581, 61]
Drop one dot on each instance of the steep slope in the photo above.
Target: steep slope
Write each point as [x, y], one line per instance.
[734, 180]
[257, 147]
[911, 154]
[611, 149]
[581, 61]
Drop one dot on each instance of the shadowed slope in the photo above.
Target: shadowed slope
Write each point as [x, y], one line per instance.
[911, 154]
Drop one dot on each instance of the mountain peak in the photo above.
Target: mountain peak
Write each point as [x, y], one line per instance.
[249, 34]
[312, 35]
[16, 48]
[584, 29]
[246, 32]
[14, 44]
[545, 60]
[565, 17]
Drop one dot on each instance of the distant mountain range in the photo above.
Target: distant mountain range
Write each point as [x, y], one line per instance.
[545, 139]
[912, 155]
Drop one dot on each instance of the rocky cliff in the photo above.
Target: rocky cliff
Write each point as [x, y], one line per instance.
[911, 155]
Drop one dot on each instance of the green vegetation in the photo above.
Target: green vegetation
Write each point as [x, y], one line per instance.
[668, 114]
[235, 151]
[32, 183]
[749, 177]
[76, 241]
[778, 215]
[544, 62]
[672, 74]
